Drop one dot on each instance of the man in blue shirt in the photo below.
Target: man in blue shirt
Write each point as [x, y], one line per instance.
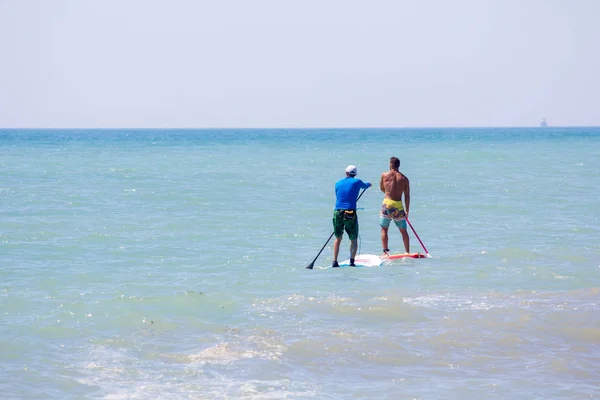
[344, 215]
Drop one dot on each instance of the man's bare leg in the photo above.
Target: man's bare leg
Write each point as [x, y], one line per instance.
[353, 248]
[384, 240]
[336, 248]
[405, 239]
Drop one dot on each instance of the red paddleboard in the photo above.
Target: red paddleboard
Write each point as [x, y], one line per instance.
[404, 255]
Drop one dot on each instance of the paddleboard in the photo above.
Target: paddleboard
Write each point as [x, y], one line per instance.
[405, 255]
[363, 260]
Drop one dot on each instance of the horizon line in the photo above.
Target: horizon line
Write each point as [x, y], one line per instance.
[306, 128]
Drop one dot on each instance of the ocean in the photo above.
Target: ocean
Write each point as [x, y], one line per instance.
[170, 264]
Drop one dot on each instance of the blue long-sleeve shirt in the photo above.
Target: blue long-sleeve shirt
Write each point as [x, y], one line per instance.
[346, 192]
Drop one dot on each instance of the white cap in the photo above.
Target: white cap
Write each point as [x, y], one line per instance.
[351, 169]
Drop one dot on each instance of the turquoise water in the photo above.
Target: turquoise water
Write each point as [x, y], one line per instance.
[171, 264]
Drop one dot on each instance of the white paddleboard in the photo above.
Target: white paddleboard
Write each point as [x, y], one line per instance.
[363, 260]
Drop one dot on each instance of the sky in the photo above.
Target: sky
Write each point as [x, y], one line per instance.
[298, 64]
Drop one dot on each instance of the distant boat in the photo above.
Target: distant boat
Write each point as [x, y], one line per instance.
[543, 124]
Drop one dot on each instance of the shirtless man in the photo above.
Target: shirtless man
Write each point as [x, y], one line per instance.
[394, 184]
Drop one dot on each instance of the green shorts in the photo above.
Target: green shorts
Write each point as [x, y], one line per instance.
[345, 220]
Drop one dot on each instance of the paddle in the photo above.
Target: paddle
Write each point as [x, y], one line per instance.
[312, 264]
[415, 232]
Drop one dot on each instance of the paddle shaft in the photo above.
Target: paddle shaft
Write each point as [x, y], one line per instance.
[312, 264]
[415, 232]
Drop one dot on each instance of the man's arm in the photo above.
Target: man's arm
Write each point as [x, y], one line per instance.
[407, 196]
[381, 184]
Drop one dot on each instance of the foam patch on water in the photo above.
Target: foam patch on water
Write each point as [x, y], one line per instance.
[128, 373]
[223, 353]
[452, 302]
[587, 300]
[256, 346]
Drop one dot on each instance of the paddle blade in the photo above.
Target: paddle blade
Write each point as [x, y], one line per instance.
[311, 265]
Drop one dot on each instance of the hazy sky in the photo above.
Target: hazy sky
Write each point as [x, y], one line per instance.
[308, 63]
